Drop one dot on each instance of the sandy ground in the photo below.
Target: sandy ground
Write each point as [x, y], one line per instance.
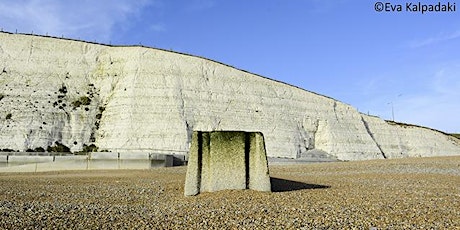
[420, 193]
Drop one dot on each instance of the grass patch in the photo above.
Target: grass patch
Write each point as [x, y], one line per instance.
[405, 125]
[81, 101]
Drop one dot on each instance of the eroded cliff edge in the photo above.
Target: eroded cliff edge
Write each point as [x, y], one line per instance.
[131, 99]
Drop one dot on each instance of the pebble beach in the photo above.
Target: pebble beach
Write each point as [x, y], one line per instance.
[410, 193]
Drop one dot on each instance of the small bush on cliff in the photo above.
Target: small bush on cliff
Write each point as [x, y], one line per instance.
[85, 100]
[36, 150]
[63, 89]
[7, 150]
[59, 148]
[81, 101]
[76, 104]
[39, 149]
[99, 115]
[89, 148]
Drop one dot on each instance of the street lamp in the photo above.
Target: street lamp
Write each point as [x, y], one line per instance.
[392, 111]
[392, 108]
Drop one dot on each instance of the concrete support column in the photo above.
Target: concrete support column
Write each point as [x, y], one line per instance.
[259, 178]
[228, 166]
[226, 160]
[193, 176]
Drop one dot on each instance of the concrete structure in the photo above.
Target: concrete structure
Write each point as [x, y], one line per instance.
[227, 160]
[138, 99]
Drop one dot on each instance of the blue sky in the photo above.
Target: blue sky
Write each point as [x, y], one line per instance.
[343, 48]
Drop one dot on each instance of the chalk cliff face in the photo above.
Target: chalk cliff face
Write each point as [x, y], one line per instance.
[132, 99]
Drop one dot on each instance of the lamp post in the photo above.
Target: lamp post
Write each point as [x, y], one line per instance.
[392, 111]
[393, 108]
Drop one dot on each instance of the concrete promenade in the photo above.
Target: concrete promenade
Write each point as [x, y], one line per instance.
[43, 162]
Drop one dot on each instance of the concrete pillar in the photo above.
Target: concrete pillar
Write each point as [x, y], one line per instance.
[193, 176]
[259, 178]
[226, 160]
[205, 159]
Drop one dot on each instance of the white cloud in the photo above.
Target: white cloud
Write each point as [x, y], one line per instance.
[436, 112]
[85, 19]
[321, 6]
[158, 27]
[198, 5]
[432, 103]
[435, 39]
[447, 81]
[437, 107]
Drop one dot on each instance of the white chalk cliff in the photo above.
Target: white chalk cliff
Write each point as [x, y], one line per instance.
[138, 99]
